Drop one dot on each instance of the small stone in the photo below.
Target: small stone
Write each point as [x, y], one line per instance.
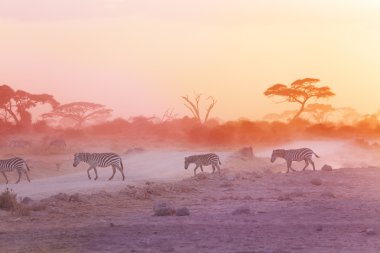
[241, 210]
[26, 201]
[182, 212]
[163, 209]
[328, 195]
[370, 231]
[74, 197]
[284, 197]
[326, 168]
[316, 181]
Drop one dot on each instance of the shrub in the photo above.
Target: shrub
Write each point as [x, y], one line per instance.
[8, 202]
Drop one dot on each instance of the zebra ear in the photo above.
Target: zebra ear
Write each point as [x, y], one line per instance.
[185, 159]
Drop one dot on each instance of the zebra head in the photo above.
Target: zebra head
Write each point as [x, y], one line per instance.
[186, 163]
[77, 159]
[277, 153]
[274, 155]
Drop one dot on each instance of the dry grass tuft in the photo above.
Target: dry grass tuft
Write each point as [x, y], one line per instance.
[8, 202]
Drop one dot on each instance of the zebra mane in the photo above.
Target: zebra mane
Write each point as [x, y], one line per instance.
[279, 152]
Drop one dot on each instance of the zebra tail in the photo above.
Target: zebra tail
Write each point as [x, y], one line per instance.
[315, 154]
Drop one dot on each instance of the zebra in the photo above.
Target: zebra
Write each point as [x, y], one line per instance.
[14, 163]
[203, 160]
[291, 155]
[100, 160]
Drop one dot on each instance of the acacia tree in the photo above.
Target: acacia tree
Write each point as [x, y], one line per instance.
[78, 114]
[319, 112]
[300, 91]
[15, 104]
[194, 108]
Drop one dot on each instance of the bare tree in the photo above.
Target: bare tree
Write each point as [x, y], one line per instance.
[168, 115]
[194, 108]
[300, 91]
[79, 113]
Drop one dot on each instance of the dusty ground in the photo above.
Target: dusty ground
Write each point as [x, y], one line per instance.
[249, 208]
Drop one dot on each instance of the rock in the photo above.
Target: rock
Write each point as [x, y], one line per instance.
[326, 168]
[316, 181]
[284, 197]
[74, 197]
[370, 231]
[163, 209]
[226, 184]
[182, 212]
[319, 228]
[241, 210]
[328, 194]
[26, 201]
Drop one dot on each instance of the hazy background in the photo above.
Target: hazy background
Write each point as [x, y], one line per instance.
[139, 57]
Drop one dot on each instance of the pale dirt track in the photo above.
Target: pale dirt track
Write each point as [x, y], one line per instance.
[138, 168]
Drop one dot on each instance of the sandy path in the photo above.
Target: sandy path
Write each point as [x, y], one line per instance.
[138, 168]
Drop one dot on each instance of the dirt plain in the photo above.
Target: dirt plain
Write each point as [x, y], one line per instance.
[250, 207]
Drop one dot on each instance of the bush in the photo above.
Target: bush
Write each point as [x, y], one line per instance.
[8, 202]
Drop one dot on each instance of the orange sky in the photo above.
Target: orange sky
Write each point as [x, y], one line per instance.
[139, 56]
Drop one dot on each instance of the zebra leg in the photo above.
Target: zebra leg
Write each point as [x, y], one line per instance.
[312, 163]
[201, 168]
[121, 171]
[96, 173]
[88, 172]
[306, 164]
[5, 176]
[288, 164]
[19, 176]
[217, 166]
[113, 172]
[213, 168]
[195, 169]
[26, 174]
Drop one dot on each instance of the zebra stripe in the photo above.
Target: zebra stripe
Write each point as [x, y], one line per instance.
[100, 160]
[203, 160]
[12, 164]
[291, 155]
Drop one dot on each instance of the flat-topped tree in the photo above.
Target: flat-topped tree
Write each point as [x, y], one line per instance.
[300, 91]
[319, 112]
[79, 113]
